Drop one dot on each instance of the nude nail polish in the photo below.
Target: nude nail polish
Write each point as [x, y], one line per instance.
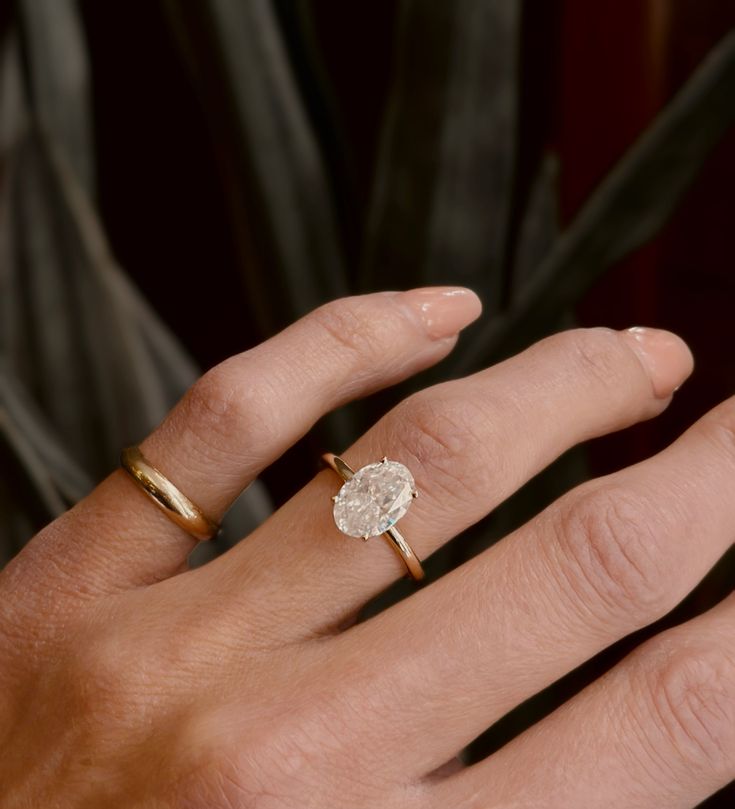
[665, 356]
[443, 311]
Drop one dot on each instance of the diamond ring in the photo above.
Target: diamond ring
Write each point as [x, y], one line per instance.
[372, 500]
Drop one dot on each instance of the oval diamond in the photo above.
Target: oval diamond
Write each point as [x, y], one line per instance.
[374, 499]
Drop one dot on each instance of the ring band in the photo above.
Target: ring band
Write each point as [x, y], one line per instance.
[159, 488]
[391, 534]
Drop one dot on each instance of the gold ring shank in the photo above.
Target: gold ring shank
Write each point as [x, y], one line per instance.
[392, 536]
[159, 488]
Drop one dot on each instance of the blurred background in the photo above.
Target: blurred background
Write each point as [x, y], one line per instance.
[180, 180]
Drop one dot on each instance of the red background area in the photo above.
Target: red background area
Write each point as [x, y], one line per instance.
[620, 62]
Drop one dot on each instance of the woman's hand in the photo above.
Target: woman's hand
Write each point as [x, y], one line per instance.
[126, 680]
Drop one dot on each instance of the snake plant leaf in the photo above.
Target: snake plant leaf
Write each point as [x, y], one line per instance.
[34, 467]
[85, 340]
[299, 21]
[20, 495]
[86, 365]
[38, 479]
[628, 209]
[540, 225]
[13, 126]
[282, 210]
[33, 438]
[443, 188]
[58, 78]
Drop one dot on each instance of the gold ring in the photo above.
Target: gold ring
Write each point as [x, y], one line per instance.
[159, 488]
[372, 500]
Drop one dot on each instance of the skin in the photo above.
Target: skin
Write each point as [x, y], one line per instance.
[127, 680]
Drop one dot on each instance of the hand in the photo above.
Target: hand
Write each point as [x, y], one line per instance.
[127, 680]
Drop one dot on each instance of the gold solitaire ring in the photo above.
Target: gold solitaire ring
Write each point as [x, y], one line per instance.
[372, 500]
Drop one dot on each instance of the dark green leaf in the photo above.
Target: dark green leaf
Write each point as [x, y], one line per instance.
[444, 179]
[58, 79]
[86, 366]
[539, 227]
[58, 478]
[628, 209]
[281, 204]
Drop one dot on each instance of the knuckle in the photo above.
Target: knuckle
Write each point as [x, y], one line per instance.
[282, 758]
[690, 691]
[610, 548]
[313, 746]
[105, 688]
[346, 324]
[99, 676]
[225, 402]
[598, 353]
[442, 434]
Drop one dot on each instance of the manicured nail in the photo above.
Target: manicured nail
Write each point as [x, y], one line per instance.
[444, 311]
[665, 356]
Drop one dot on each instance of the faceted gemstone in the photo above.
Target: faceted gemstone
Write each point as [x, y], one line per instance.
[374, 499]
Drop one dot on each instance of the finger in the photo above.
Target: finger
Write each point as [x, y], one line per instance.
[657, 730]
[242, 415]
[608, 558]
[470, 444]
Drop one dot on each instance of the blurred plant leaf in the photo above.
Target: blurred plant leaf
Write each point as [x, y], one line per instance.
[58, 79]
[539, 228]
[283, 216]
[88, 361]
[444, 178]
[282, 210]
[86, 365]
[628, 209]
[33, 438]
[39, 477]
[299, 27]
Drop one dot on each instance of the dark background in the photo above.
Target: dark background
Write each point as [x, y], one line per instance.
[171, 181]
[594, 75]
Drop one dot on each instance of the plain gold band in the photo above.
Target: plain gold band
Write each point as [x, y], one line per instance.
[392, 536]
[159, 488]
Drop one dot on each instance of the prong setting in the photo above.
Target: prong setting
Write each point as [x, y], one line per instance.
[374, 499]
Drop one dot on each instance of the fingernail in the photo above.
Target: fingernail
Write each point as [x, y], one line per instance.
[444, 311]
[665, 356]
